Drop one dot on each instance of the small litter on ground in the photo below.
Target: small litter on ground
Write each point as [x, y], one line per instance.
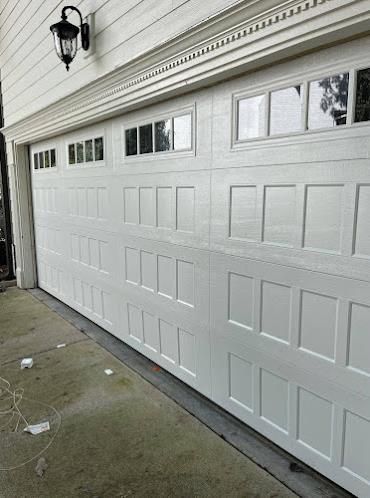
[61, 346]
[41, 467]
[26, 363]
[37, 428]
[108, 371]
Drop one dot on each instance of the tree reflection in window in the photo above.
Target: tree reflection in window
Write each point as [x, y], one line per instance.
[328, 102]
[163, 135]
[362, 109]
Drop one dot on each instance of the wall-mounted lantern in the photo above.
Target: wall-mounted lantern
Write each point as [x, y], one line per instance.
[65, 36]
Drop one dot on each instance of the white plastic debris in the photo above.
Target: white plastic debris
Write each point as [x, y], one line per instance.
[61, 346]
[26, 363]
[108, 371]
[38, 428]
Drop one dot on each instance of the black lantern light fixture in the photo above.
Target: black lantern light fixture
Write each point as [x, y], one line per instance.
[65, 36]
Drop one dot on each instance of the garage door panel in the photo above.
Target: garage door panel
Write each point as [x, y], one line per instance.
[169, 275]
[175, 343]
[300, 412]
[305, 319]
[312, 226]
[168, 207]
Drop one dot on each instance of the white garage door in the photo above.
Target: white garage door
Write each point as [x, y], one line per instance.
[226, 235]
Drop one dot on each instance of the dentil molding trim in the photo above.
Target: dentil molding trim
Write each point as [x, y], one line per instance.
[199, 56]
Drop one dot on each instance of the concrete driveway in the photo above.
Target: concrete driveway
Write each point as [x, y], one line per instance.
[110, 436]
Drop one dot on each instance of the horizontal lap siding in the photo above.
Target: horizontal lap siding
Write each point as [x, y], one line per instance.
[32, 75]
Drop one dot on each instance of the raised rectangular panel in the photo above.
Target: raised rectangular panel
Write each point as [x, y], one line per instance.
[323, 217]
[275, 311]
[168, 341]
[104, 256]
[75, 247]
[241, 300]
[362, 242]
[102, 203]
[187, 351]
[243, 212]
[185, 209]
[279, 223]
[359, 338]
[164, 207]
[82, 202]
[92, 202]
[148, 270]
[97, 301]
[131, 205]
[87, 296]
[241, 381]
[94, 253]
[84, 250]
[72, 197]
[147, 207]
[356, 451]
[151, 331]
[107, 307]
[274, 400]
[318, 324]
[77, 290]
[185, 282]
[135, 325]
[132, 265]
[315, 421]
[166, 276]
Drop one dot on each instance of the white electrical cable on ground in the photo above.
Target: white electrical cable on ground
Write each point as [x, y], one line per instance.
[14, 398]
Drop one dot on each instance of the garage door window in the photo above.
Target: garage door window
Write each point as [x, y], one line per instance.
[166, 135]
[87, 151]
[286, 110]
[251, 117]
[328, 102]
[44, 159]
[362, 109]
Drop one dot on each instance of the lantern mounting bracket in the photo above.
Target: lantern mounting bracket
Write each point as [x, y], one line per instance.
[85, 30]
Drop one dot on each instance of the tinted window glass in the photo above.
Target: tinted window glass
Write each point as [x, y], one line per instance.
[47, 159]
[163, 135]
[36, 161]
[52, 158]
[182, 132]
[146, 139]
[89, 151]
[286, 110]
[362, 109]
[251, 117]
[80, 152]
[71, 154]
[41, 160]
[131, 142]
[99, 150]
[328, 102]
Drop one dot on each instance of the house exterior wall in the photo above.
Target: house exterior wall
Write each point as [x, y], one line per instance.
[32, 75]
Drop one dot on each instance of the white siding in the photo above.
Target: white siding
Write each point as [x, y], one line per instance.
[32, 75]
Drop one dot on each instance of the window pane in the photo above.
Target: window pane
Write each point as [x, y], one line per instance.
[362, 111]
[182, 132]
[41, 160]
[47, 159]
[99, 151]
[163, 135]
[131, 142]
[80, 152]
[89, 151]
[146, 138]
[328, 102]
[36, 161]
[251, 117]
[71, 154]
[286, 110]
[52, 158]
